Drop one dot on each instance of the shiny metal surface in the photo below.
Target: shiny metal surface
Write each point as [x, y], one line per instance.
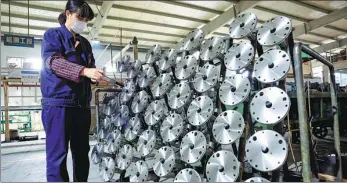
[266, 150]
[168, 60]
[187, 175]
[155, 112]
[146, 142]
[185, 68]
[135, 68]
[222, 166]
[123, 64]
[257, 179]
[274, 31]
[96, 153]
[164, 161]
[107, 168]
[239, 56]
[272, 66]
[228, 127]
[113, 141]
[133, 130]
[200, 110]
[206, 77]
[193, 147]
[179, 95]
[140, 102]
[270, 105]
[243, 25]
[192, 40]
[102, 134]
[234, 89]
[139, 172]
[172, 127]
[121, 116]
[128, 91]
[146, 77]
[153, 54]
[161, 85]
[124, 157]
[211, 48]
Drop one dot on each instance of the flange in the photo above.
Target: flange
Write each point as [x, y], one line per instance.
[206, 77]
[193, 40]
[140, 102]
[134, 127]
[211, 48]
[121, 116]
[113, 141]
[153, 54]
[146, 142]
[274, 31]
[164, 161]
[186, 67]
[135, 68]
[179, 95]
[222, 166]
[234, 89]
[239, 56]
[124, 157]
[161, 85]
[102, 133]
[200, 110]
[168, 60]
[243, 25]
[172, 127]
[228, 127]
[155, 112]
[146, 77]
[193, 147]
[97, 151]
[107, 168]
[187, 175]
[123, 64]
[266, 150]
[139, 173]
[270, 105]
[272, 66]
[257, 179]
[128, 91]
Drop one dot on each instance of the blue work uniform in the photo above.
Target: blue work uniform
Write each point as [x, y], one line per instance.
[66, 114]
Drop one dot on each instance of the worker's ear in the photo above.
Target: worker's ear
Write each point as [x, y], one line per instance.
[68, 14]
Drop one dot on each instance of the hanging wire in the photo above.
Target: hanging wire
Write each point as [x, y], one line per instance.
[102, 16]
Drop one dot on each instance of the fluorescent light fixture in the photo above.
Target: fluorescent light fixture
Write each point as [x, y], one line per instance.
[95, 42]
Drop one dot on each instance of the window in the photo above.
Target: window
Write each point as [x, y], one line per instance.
[14, 62]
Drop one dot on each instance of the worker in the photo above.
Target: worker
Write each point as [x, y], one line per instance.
[66, 77]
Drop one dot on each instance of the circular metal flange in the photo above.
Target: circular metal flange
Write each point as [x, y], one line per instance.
[96, 153]
[192, 41]
[272, 66]
[134, 127]
[146, 142]
[193, 147]
[234, 89]
[146, 77]
[121, 117]
[172, 127]
[128, 91]
[164, 161]
[243, 25]
[274, 31]
[211, 48]
[113, 141]
[186, 67]
[155, 112]
[135, 68]
[168, 60]
[206, 78]
[179, 95]
[239, 56]
[107, 120]
[257, 179]
[107, 168]
[187, 175]
[266, 150]
[140, 102]
[200, 110]
[108, 110]
[161, 85]
[139, 172]
[222, 166]
[123, 64]
[124, 157]
[153, 54]
[102, 133]
[228, 127]
[270, 105]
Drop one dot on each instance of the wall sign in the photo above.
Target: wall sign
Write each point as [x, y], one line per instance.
[30, 76]
[17, 40]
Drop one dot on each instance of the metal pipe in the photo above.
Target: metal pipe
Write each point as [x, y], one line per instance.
[302, 112]
[317, 56]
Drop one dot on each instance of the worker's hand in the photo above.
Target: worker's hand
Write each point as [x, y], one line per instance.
[92, 73]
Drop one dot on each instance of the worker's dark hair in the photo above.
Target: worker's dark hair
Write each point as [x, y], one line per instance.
[80, 7]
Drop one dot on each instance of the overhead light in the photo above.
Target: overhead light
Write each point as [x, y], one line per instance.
[95, 42]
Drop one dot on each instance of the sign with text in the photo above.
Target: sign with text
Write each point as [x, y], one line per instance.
[17, 40]
[30, 76]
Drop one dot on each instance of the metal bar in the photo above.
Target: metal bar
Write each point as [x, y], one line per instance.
[135, 50]
[191, 6]
[7, 124]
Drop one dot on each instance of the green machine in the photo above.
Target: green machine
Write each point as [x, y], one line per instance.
[23, 121]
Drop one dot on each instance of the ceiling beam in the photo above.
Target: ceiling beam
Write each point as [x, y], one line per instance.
[100, 19]
[191, 6]
[331, 46]
[32, 6]
[306, 41]
[312, 7]
[321, 35]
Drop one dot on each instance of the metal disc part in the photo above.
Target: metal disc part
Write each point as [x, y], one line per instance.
[146, 142]
[243, 25]
[179, 95]
[239, 56]
[211, 48]
[164, 161]
[257, 179]
[187, 175]
[222, 166]
[139, 172]
[107, 168]
[266, 150]
[135, 68]
[272, 66]
[186, 67]
[206, 77]
[155, 112]
[123, 64]
[200, 110]
[193, 147]
[146, 77]
[192, 41]
[172, 127]
[113, 141]
[153, 54]
[128, 91]
[124, 157]
[234, 89]
[168, 60]
[274, 31]
[270, 105]
[133, 130]
[228, 127]
[96, 153]
[102, 133]
[161, 85]
[140, 102]
[121, 116]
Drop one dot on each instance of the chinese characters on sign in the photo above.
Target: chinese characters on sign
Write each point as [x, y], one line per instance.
[30, 76]
[16, 40]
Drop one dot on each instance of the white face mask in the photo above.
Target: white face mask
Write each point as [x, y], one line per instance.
[78, 26]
